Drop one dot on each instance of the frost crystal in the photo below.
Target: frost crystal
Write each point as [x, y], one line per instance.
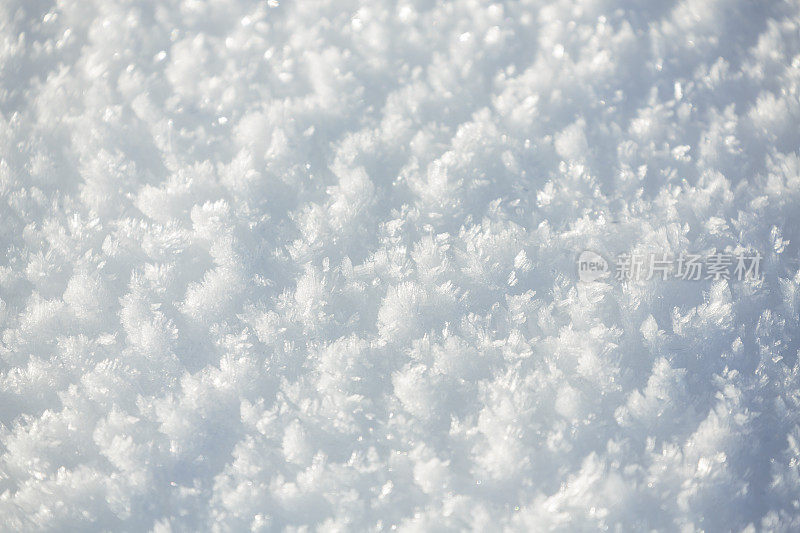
[312, 266]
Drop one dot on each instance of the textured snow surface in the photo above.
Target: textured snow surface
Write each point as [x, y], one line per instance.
[311, 265]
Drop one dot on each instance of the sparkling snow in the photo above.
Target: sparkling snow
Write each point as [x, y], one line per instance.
[311, 265]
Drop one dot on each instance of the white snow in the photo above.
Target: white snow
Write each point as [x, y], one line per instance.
[311, 265]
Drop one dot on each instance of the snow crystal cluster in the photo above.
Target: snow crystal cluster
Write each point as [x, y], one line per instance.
[310, 265]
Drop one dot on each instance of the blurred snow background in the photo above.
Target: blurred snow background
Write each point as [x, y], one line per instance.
[275, 266]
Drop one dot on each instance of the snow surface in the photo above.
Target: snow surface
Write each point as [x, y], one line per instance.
[311, 265]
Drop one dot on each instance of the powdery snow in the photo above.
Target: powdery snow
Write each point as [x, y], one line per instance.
[311, 265]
